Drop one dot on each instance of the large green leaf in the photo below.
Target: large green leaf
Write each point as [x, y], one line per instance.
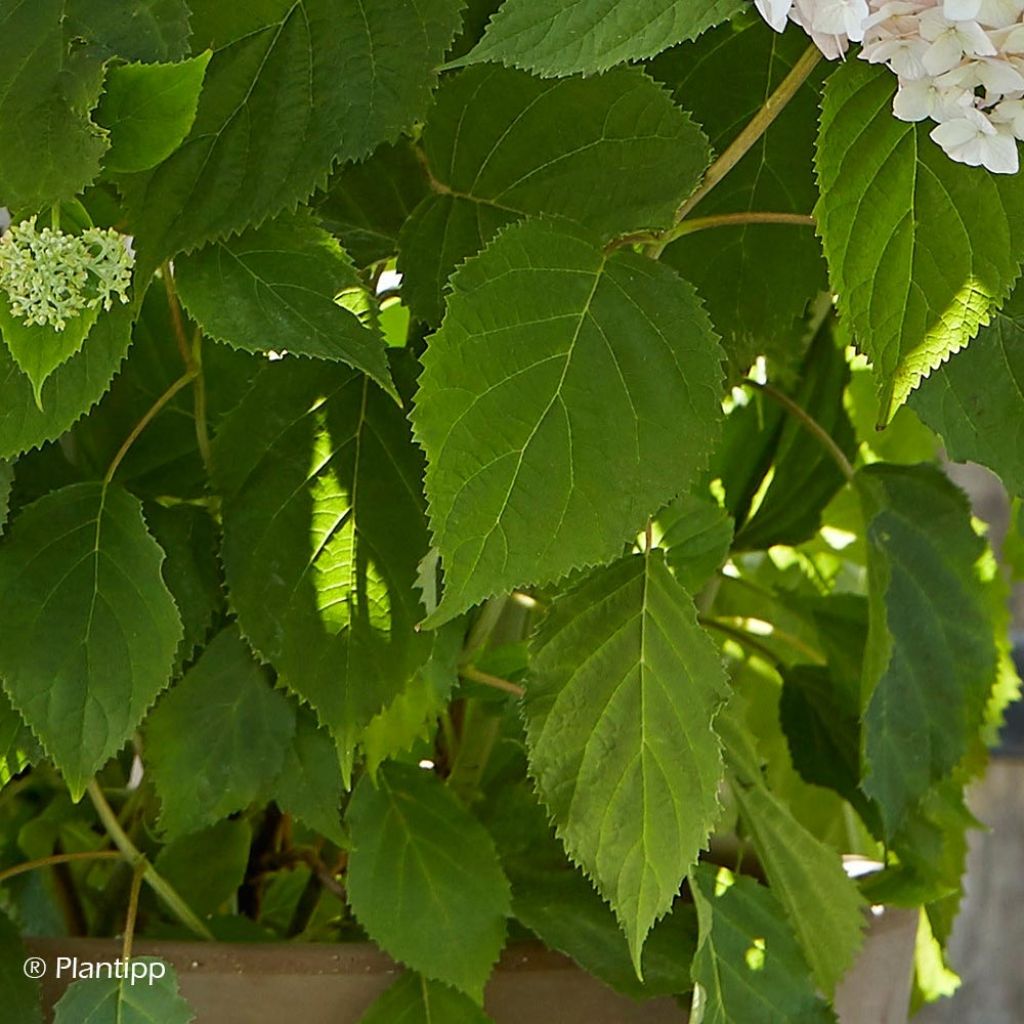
[697, 535]
[610, 152]
[622, 691]
[323, 531]
[931, 659]
[140, 30]
[48, 86]
[824, 907]
[114, 1001]
[921, 250]
[560, 37]
[975, 400]
[70, 391]
[148, 110]
[18, 993]
[90, 630]
[424, 878]
[756, 278]
[414, 999]
[748, 966]
[275, 287]
[292, 87]
[556, 420]
[216, 742]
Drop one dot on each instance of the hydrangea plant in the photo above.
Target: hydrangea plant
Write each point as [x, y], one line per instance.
[470, 472]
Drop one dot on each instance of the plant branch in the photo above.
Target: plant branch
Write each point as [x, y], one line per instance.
[133, 912]
[199, 405]
[809, 423]
[483, 627]
[726, 220]
[741, 636]
[138, 860]
[496, 682]
[755, 128]
[182, 382]
[57, 858]
[177, 321]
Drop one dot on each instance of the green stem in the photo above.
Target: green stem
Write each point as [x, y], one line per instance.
[728, 220]
[480, 731]
[148, 418]
[57, 858]
[199, 406]
[133, 912]
[138, 860]
[809, 423]
[487, 618]
[471, 672]
[742, 637]
[755, 127]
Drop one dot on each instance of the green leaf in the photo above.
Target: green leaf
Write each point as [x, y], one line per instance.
[805, 477]
[19, 994]
[216, 742]
[921, 249]
[560, 37]
[310, 785]
[975, 399]
[293, 86]
[366, 204]
[68, 392]
[18, 747]
[620, 354]
[323, 531]
[748, 966]
[48, 86]
[6, 483]
[416, 1000]
[756, 279]
[622, 691]
[697, 535]
[148, 110]
[931, 659]
[39, 349]
[114, 1001]
[206, 868]
[275, 287]
[90, 629]
[612, 153]
[141, 30]
[189, 538]
[410, 716]
[424, 878]
[824, 907]
[557, 903]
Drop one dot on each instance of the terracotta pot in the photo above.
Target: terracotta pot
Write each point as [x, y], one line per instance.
[322, 984]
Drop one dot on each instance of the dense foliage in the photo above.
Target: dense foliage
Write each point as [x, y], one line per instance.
[444, 495]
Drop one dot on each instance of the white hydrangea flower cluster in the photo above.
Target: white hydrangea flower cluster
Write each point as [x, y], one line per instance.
[51, 278]
[960, 63]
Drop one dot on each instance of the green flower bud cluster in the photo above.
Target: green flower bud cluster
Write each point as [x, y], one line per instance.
[51, 277]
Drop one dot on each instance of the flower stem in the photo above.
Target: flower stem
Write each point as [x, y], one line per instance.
[137, 859]
[809, 423]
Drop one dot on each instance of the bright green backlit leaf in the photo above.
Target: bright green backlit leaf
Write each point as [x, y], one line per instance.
[424, 878]
[975, 400]
[560, 37]
[275, 287]
[931, 660]
[90, 630]
[697, 535]
[550, 453]
[619, 704]
[148, 109]
[323, 532]
[921, 250]
[217, 740]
